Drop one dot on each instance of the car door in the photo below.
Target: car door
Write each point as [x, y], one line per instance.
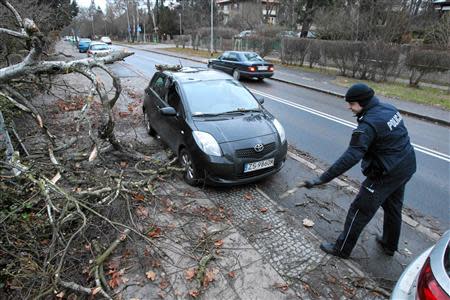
[156, 93]
[176, 125]
[219, 63]
[231, 62]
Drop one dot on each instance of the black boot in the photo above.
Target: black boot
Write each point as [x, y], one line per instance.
[383, 245]
[330, 248]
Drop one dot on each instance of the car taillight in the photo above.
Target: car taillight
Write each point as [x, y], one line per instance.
[252, 69]
[89, 52]
[271, 68]
[427, 286]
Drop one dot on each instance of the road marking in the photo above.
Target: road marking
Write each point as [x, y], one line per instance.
[425, 150]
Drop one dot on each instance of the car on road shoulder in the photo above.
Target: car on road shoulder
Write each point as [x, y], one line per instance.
[97, 49]
[242, 64]
[83, 45]
[219, 130]
[106, 40]
[427, 277]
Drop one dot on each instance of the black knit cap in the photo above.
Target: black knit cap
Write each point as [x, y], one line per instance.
[360, 93]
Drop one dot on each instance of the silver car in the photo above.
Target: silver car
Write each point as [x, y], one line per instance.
[98, 49]
[427, 277]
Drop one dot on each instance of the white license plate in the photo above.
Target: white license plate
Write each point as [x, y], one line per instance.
[263, 68]
[258, 165]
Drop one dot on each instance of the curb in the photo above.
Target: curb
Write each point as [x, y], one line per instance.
[405, 112]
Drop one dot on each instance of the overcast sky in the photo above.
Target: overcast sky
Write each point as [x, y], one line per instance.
[87, 3]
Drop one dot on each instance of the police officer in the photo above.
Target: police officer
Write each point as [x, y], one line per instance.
[388, 161]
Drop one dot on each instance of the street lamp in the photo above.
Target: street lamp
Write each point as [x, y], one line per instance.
[212, 25]
[179, 14]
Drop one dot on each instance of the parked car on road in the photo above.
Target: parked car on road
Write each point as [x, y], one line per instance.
[83, 45]
[245, 33]
[106, 40]
[427, 277]
[98, 49]
[242, 64]
[220, 131]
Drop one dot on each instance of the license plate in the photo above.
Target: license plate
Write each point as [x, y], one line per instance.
[258, 165]
[263, 68]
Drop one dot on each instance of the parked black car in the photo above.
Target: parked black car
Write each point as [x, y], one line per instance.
[219, 130]
[242, 65]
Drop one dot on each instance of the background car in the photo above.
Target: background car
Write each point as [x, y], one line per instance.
[200, 113]
[242, 64]
[83, 45]
[427, 277]
[98, 49]
[245, 33]
[106, 40]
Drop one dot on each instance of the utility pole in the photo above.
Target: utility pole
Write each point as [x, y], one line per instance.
[180, 21]
[212, 28]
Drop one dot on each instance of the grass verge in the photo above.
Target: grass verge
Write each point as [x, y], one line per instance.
[423, 95]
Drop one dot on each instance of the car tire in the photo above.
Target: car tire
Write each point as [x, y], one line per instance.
[191, 172]
[236, 74]
[260, 79]
[148, 125]
[210, 66]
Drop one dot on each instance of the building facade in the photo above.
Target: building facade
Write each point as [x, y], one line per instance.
[269, 8]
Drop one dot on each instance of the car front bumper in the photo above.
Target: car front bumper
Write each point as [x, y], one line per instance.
[228, 170]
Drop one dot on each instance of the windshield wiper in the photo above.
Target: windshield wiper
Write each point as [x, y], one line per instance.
[244, 110]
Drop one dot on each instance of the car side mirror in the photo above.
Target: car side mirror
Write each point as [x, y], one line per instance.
[147, 90]
[260, 99]
[168, 111]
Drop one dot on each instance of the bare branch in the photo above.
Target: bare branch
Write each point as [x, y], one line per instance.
[21, 35]
[14, 11]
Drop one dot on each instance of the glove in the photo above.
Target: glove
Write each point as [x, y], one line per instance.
[313, 182]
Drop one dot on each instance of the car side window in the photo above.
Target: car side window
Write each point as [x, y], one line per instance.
[173, 99]
[233, 57]
[224, 56]
[158, 85]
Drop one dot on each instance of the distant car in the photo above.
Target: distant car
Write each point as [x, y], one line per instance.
[287, 34]
[427, 277]
[83, 45]
[106, 40]
[219, 130]
[98, 49]
[242, 64]
[245, 33]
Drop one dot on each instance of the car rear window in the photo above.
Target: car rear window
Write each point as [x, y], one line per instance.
[252, 57]
[218, 96]
[99, 47]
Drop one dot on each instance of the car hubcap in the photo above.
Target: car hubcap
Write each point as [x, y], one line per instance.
[188, 166]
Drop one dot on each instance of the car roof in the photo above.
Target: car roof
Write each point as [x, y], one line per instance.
[190, 74]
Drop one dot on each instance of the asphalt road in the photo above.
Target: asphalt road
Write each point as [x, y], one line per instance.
[321, 125]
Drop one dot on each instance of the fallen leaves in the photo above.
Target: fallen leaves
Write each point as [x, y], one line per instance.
[263, 209]
[210, 276]
[231, 274]
[282, 287]
[150, 275]
[308, 223]
[154, 232]
[142, 212]
[218, 243]
[248, 196]
[189, 273]
[194, 293]
[138, 197]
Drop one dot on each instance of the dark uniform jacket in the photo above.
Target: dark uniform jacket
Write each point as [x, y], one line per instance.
[381, 140]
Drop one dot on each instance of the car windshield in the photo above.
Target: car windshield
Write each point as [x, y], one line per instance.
[217, 97]
[251, 56]
[99, 47]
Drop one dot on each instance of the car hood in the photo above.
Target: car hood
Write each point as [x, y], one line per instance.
[236, 128]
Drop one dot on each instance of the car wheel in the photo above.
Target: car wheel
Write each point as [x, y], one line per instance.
[236, 74]
[148, 125]
[260, 79]
[210, 66]
[191, 173]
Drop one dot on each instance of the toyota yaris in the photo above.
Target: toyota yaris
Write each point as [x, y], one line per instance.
[220, 131]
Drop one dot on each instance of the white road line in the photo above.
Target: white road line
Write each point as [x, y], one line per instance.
[425, 150]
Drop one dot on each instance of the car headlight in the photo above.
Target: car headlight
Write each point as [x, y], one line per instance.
[207, 143]
[280, 130]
